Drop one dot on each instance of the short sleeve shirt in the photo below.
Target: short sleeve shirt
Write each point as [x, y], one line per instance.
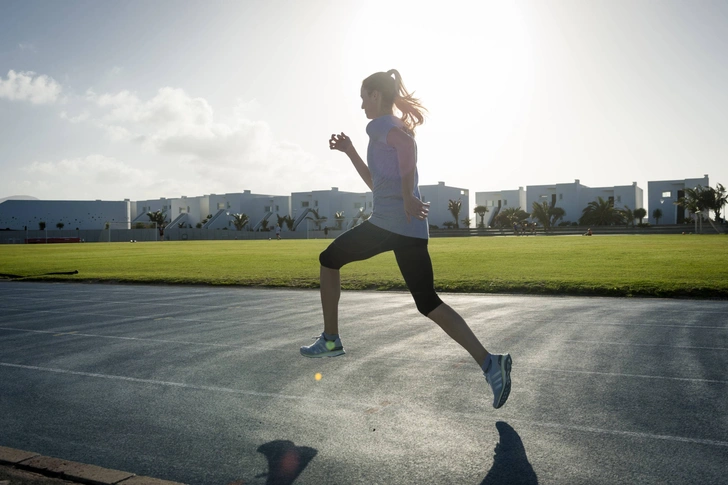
[388, 209]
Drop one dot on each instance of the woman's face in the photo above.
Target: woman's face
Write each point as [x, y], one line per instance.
[370, 103]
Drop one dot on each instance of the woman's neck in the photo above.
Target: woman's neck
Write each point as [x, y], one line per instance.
[384, 113]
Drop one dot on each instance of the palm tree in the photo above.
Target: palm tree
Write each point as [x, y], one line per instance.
[339, 218]
[512, 215]
[317, 219]
[41, 225]
[600, 212]
[695, 202]
[281, 220]
[556, 213]
[240, 221]
[640, 214]
[547, 216]
[60, 225]
[481, 210]
[466, 222]
[657, 214]
[628, 216]
[716, 199]
[454, 206]
[159, 217]
[541, 214]
[289, 222]
[700, 201]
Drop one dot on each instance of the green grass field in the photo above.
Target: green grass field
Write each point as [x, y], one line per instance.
[669, 265]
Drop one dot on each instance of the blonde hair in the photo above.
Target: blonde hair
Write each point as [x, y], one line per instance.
[389, 85]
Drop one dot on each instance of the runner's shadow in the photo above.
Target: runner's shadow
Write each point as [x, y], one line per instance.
[510, 463]
[285, 461]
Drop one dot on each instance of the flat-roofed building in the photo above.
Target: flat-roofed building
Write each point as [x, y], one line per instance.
[439, 197]
[73, 214]
[663, 194]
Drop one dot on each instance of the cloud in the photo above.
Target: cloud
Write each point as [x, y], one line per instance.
[173, 143]
[29, 86]
[25, 46]
[75, 119]
[174, 124]
[90, 176]
[114, 71]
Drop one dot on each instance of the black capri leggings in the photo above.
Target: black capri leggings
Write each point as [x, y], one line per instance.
[367, 240]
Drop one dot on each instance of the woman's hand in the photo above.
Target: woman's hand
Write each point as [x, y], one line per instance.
[340, 142]
[414, 207]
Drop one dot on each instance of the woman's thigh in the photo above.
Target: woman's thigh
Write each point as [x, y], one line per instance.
[362, 242]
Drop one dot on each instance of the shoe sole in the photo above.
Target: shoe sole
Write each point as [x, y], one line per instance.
[332, 353]
[506, 369]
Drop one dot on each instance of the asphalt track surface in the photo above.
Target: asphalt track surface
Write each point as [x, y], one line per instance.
[206, 386]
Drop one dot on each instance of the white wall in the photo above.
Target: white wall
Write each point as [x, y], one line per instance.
[151, 205]
[663, 194]
[574, 197]
[439, 197]
[17, 214]
[502, 199]
[328, 202]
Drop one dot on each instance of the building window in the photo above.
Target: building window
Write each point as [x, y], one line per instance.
[220, 205]
[505, 202]
[277, 209]
[462, 192]
[315, 203]
[619, 198]
[266, 208]
[666, 195]
[304, 203]
[561, 196]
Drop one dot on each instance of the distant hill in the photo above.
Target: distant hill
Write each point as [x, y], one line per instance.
[19, 197]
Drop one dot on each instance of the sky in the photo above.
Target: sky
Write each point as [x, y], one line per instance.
[141, 100]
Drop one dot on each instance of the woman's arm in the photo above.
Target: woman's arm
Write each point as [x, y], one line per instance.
[343, 144]
[407, 158]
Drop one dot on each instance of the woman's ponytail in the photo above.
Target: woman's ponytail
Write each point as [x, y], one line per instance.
[390, 85]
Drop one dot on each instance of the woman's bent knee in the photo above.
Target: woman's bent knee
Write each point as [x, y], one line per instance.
[327, 260]
[427, 302]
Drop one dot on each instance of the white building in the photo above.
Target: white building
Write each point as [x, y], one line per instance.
[192, 211]
[663, 195]
[439, 197]
[574, 197]
[73, 214]
[326, 203]
[497, 201]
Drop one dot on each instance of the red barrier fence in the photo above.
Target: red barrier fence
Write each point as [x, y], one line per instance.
[43, 240]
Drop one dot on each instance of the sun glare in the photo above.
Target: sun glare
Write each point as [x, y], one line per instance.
[470, 62]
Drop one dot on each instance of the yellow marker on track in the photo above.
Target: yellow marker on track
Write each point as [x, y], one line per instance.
[317, 376]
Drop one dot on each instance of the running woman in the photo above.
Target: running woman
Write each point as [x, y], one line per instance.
[398, 223]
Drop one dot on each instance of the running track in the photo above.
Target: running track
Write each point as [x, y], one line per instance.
[206, 386]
